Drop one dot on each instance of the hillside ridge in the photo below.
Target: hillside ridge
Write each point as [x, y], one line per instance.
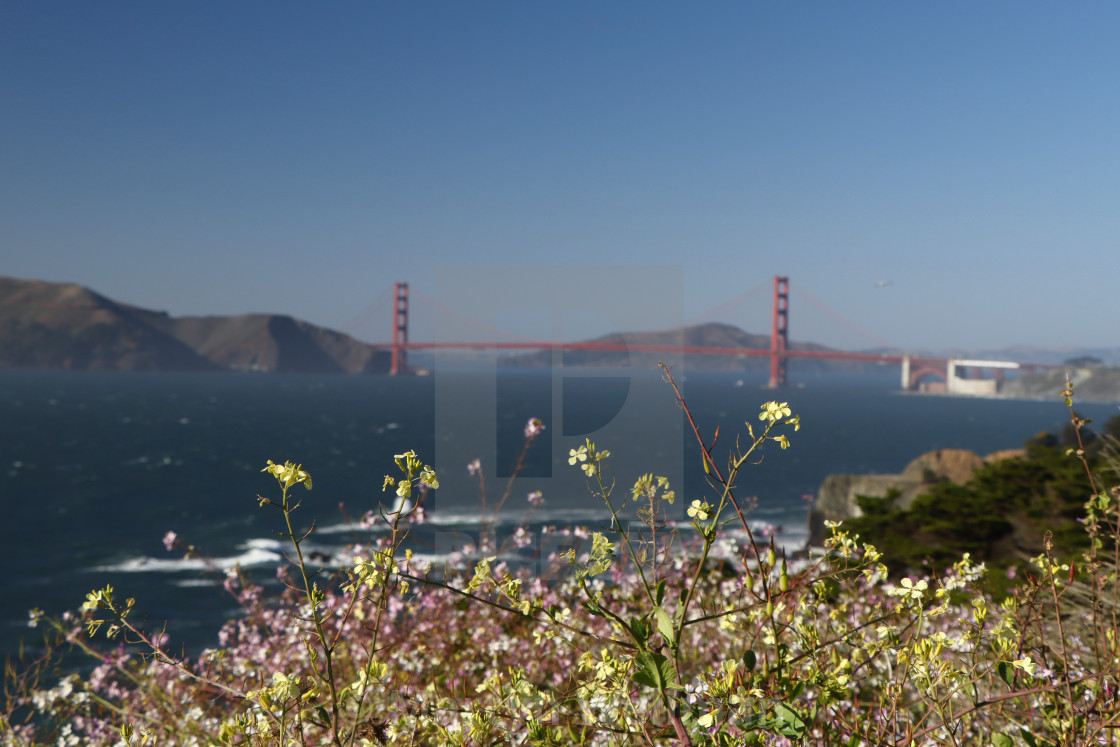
[68, 326]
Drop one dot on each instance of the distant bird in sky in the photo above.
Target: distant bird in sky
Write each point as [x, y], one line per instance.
[882, 283]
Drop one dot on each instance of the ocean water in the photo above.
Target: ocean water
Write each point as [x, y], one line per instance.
[97, 467]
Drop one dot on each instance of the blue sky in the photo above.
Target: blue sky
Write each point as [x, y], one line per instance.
[233, 157]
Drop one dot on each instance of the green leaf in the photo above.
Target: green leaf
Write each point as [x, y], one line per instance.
[792, 725]
[659, 593]
[647, 672]
[749, 660]
[593, 608]
[1006, 672]
[1028, 737]
[665, 626]
[759, 721]
[668, 671]
[639, 630]
[1002, 740]
[654, 671]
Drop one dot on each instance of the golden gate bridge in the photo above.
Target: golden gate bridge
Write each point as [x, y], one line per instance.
[954, 373]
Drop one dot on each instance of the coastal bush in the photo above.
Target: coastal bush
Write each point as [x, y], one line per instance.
[1001, 514]
[650, 634]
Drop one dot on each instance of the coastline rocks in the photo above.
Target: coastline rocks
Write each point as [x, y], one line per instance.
[837, 497]
[954, 465]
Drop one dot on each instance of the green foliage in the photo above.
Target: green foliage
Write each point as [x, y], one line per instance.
[1001, 513]
[654, 671]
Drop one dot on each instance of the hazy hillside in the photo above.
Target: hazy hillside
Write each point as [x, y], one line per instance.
[56, 325]
[1101, 383]
[712, 334]
[61, 325]
[271, 342]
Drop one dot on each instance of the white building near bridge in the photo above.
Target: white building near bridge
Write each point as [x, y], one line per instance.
[956, 384]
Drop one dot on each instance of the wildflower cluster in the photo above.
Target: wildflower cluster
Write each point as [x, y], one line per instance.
[639, 636]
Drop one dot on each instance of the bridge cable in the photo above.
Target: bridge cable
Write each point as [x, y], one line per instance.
[836, 316]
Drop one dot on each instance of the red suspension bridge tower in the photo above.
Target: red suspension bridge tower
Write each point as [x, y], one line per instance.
[779, 334]
[399, 362]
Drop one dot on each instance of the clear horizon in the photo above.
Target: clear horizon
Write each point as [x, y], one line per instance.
[928, 177]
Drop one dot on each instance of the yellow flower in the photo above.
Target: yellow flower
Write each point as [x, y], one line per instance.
[288, 474]
[93, 601]
[577, 455]
[284, 687]
[699, 510]
[910, 590]
[773, 411]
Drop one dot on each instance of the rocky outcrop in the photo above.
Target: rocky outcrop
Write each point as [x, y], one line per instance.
[61, 325]
[954, 465]
[838, 496]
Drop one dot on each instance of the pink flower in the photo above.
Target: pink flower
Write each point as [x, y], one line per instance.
[522, 538]
[535, 498]
[474, 467]
[169, 540]
[534, 427]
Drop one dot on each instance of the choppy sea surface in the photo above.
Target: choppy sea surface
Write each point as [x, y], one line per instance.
[97, 467]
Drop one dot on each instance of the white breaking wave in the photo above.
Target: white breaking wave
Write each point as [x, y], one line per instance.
[256, 552]
[188, 583]
[271, 552]
[471, 517]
